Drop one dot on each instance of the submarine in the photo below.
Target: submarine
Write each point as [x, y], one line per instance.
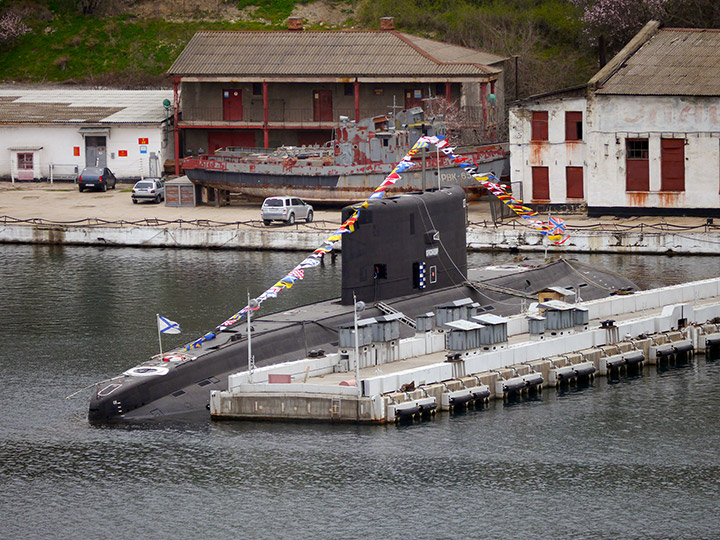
[407, 254]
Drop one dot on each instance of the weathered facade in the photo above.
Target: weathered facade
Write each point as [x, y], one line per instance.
[53, 133]
[548, 149]
[267, 89]
[641, 138]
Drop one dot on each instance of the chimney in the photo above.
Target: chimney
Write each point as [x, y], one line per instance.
[387, 23]
[295, 24]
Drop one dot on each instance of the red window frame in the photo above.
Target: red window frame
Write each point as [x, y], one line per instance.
[539, 131]
[25, 161]
[573, 126]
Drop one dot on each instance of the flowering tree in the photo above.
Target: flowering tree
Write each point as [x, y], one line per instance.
[611, 23]
[11, 28]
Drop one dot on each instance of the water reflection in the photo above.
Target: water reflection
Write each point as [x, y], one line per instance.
[632, 457]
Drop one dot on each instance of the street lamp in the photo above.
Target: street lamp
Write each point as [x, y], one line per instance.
[167, 106]
[359, 306]
[252, 304]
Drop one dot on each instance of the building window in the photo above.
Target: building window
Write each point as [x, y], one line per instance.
[349, 89]
[25, 161]
[257, 89]
[540, 183]
[539, 126]
[439, 89]
[573, 126]
[637, 165]
[574, 182]
[672, 168]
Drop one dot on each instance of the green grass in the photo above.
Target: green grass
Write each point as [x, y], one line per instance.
[133, 52]
[121, 50]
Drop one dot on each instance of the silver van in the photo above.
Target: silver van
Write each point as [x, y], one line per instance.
[286, 209]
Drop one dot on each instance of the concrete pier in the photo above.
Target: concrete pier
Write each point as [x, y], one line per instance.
[39, 213]
[624, 332]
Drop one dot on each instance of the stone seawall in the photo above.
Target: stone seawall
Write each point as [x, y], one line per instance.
[479, 238]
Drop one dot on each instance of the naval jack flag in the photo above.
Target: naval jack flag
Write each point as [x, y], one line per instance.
[166, 326]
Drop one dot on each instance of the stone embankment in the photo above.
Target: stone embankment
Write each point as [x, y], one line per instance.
[58, 214]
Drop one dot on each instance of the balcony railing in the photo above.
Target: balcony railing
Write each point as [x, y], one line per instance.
[471, 124]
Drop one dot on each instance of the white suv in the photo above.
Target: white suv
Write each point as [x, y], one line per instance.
[286, 209]
[150, 189]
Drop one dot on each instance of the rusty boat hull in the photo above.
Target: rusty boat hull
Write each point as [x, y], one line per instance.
[338, 184]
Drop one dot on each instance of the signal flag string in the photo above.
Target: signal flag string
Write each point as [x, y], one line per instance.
[553, 230]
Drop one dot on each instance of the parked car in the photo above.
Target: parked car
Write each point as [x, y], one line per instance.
[96, 178]
[286, 209]
[150, 189]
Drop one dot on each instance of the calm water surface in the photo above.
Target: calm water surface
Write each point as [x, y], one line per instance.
[628, 458]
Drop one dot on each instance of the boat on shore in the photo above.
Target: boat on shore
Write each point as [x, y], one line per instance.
[346, 168]
[406, 255]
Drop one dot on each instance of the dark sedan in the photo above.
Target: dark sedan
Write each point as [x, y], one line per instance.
[97, 178]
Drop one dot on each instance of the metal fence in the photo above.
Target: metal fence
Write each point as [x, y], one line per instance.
[499, 210]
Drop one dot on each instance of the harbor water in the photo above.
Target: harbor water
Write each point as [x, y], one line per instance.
[631, 457]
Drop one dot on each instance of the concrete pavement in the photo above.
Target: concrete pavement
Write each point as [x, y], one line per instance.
[39, 212]
[62, 203]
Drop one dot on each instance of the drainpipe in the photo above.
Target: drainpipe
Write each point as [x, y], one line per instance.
[483, 91]
[266, 131]
[356, 84]
[176, 106]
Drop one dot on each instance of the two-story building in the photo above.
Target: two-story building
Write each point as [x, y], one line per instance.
[267, 89]
[642, 137]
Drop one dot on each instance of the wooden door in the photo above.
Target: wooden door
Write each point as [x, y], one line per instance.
[637, 165]
[322, 106]
[413, 98]
[223, 139]
[540, 183]
[232, 105]
[673, 165]
[574, 182]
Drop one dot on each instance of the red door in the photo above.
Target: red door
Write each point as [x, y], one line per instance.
[232, 105]
[413, 98]
[637, 165]
[322, 106]
[540, 183]
[673, 165]
[574, 179]
[312, 137]
[223, 139]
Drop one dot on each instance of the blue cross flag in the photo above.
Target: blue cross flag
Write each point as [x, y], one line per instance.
[166, 326]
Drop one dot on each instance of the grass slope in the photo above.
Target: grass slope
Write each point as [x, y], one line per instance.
[131, 51]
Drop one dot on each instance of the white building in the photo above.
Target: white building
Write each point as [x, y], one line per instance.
[641, 138]
[51, 132]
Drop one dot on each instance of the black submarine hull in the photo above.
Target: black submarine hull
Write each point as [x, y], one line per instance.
[408, 252]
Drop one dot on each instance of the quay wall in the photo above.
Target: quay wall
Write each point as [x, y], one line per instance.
[479, 238]
[682, 324]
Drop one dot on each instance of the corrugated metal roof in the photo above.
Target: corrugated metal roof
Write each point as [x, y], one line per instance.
[309, 53]
[672, 61]
[86, 105]
[446, 52]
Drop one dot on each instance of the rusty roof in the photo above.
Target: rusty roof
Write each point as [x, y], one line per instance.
[666, 61]
[327, 53]
[44, 105]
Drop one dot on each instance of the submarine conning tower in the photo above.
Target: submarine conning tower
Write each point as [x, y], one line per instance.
[407, 244]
